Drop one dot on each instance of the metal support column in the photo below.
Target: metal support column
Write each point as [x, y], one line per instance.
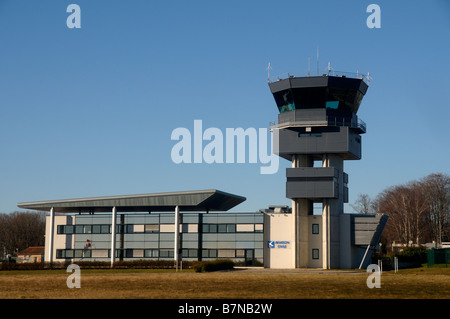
[176, 247]
[113, 235]
[51, 234]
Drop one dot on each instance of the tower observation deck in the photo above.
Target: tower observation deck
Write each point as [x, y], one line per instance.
[318, 122]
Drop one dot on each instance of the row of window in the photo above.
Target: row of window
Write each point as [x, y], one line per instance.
[232, 228]
[151, 253]
[157, 228]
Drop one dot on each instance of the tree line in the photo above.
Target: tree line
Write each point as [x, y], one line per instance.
[19, 230]
[419, 211]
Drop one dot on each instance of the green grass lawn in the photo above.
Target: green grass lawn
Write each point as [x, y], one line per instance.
[417, 283]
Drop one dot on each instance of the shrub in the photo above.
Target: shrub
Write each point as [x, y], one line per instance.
[413, 254]
[214, 265]
[129, 264]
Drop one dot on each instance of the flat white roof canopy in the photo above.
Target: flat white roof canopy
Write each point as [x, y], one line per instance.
[203, 200]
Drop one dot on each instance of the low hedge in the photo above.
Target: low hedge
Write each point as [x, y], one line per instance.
[134, 264]
[213, 265]
[413, 254]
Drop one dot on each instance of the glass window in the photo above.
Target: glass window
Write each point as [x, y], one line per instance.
[231, 228]
[120, 253]
[68, 229]
[332, 105]
[105, 229]
[166, 253]
[151, 253]
[315, 228]
[189, 253]
[86, 253]
[213, 228]
[284, 101]
[129, 229]
[120, 229]
[222, 228]
[87, 229]
[60, 229]
[315, 254]
[60, 253]
[79, 229]
[96, 229]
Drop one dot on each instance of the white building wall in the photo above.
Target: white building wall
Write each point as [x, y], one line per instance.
[279, 241]
[59, 241]
[315, 241]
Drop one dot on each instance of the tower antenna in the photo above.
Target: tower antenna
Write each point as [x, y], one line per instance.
[317, 60]
[308, 67]
[268, 72]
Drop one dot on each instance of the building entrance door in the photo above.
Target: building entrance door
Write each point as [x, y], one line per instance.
[249, 257]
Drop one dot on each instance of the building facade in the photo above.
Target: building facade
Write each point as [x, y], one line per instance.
[203, 236]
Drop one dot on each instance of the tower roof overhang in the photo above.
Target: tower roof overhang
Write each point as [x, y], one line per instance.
[202, 200]
[319, 81]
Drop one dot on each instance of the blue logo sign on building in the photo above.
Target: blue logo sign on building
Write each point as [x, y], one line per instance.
[278, 244]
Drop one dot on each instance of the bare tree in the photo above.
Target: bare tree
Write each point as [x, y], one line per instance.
[364, 205]
[407, 208]
[19, 230]
[437, 187]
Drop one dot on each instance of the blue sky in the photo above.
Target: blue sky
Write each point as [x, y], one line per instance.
[89, 112]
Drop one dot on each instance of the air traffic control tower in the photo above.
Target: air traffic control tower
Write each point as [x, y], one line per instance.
[318, 130]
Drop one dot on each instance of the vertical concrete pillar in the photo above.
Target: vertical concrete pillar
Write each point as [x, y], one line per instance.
[326, 235]
[176, 243]
[51, 234]
[332, 211]
[301, 209]
[113, 235]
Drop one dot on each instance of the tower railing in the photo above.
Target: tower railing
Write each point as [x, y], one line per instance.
[331, 72]
[353, 122]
